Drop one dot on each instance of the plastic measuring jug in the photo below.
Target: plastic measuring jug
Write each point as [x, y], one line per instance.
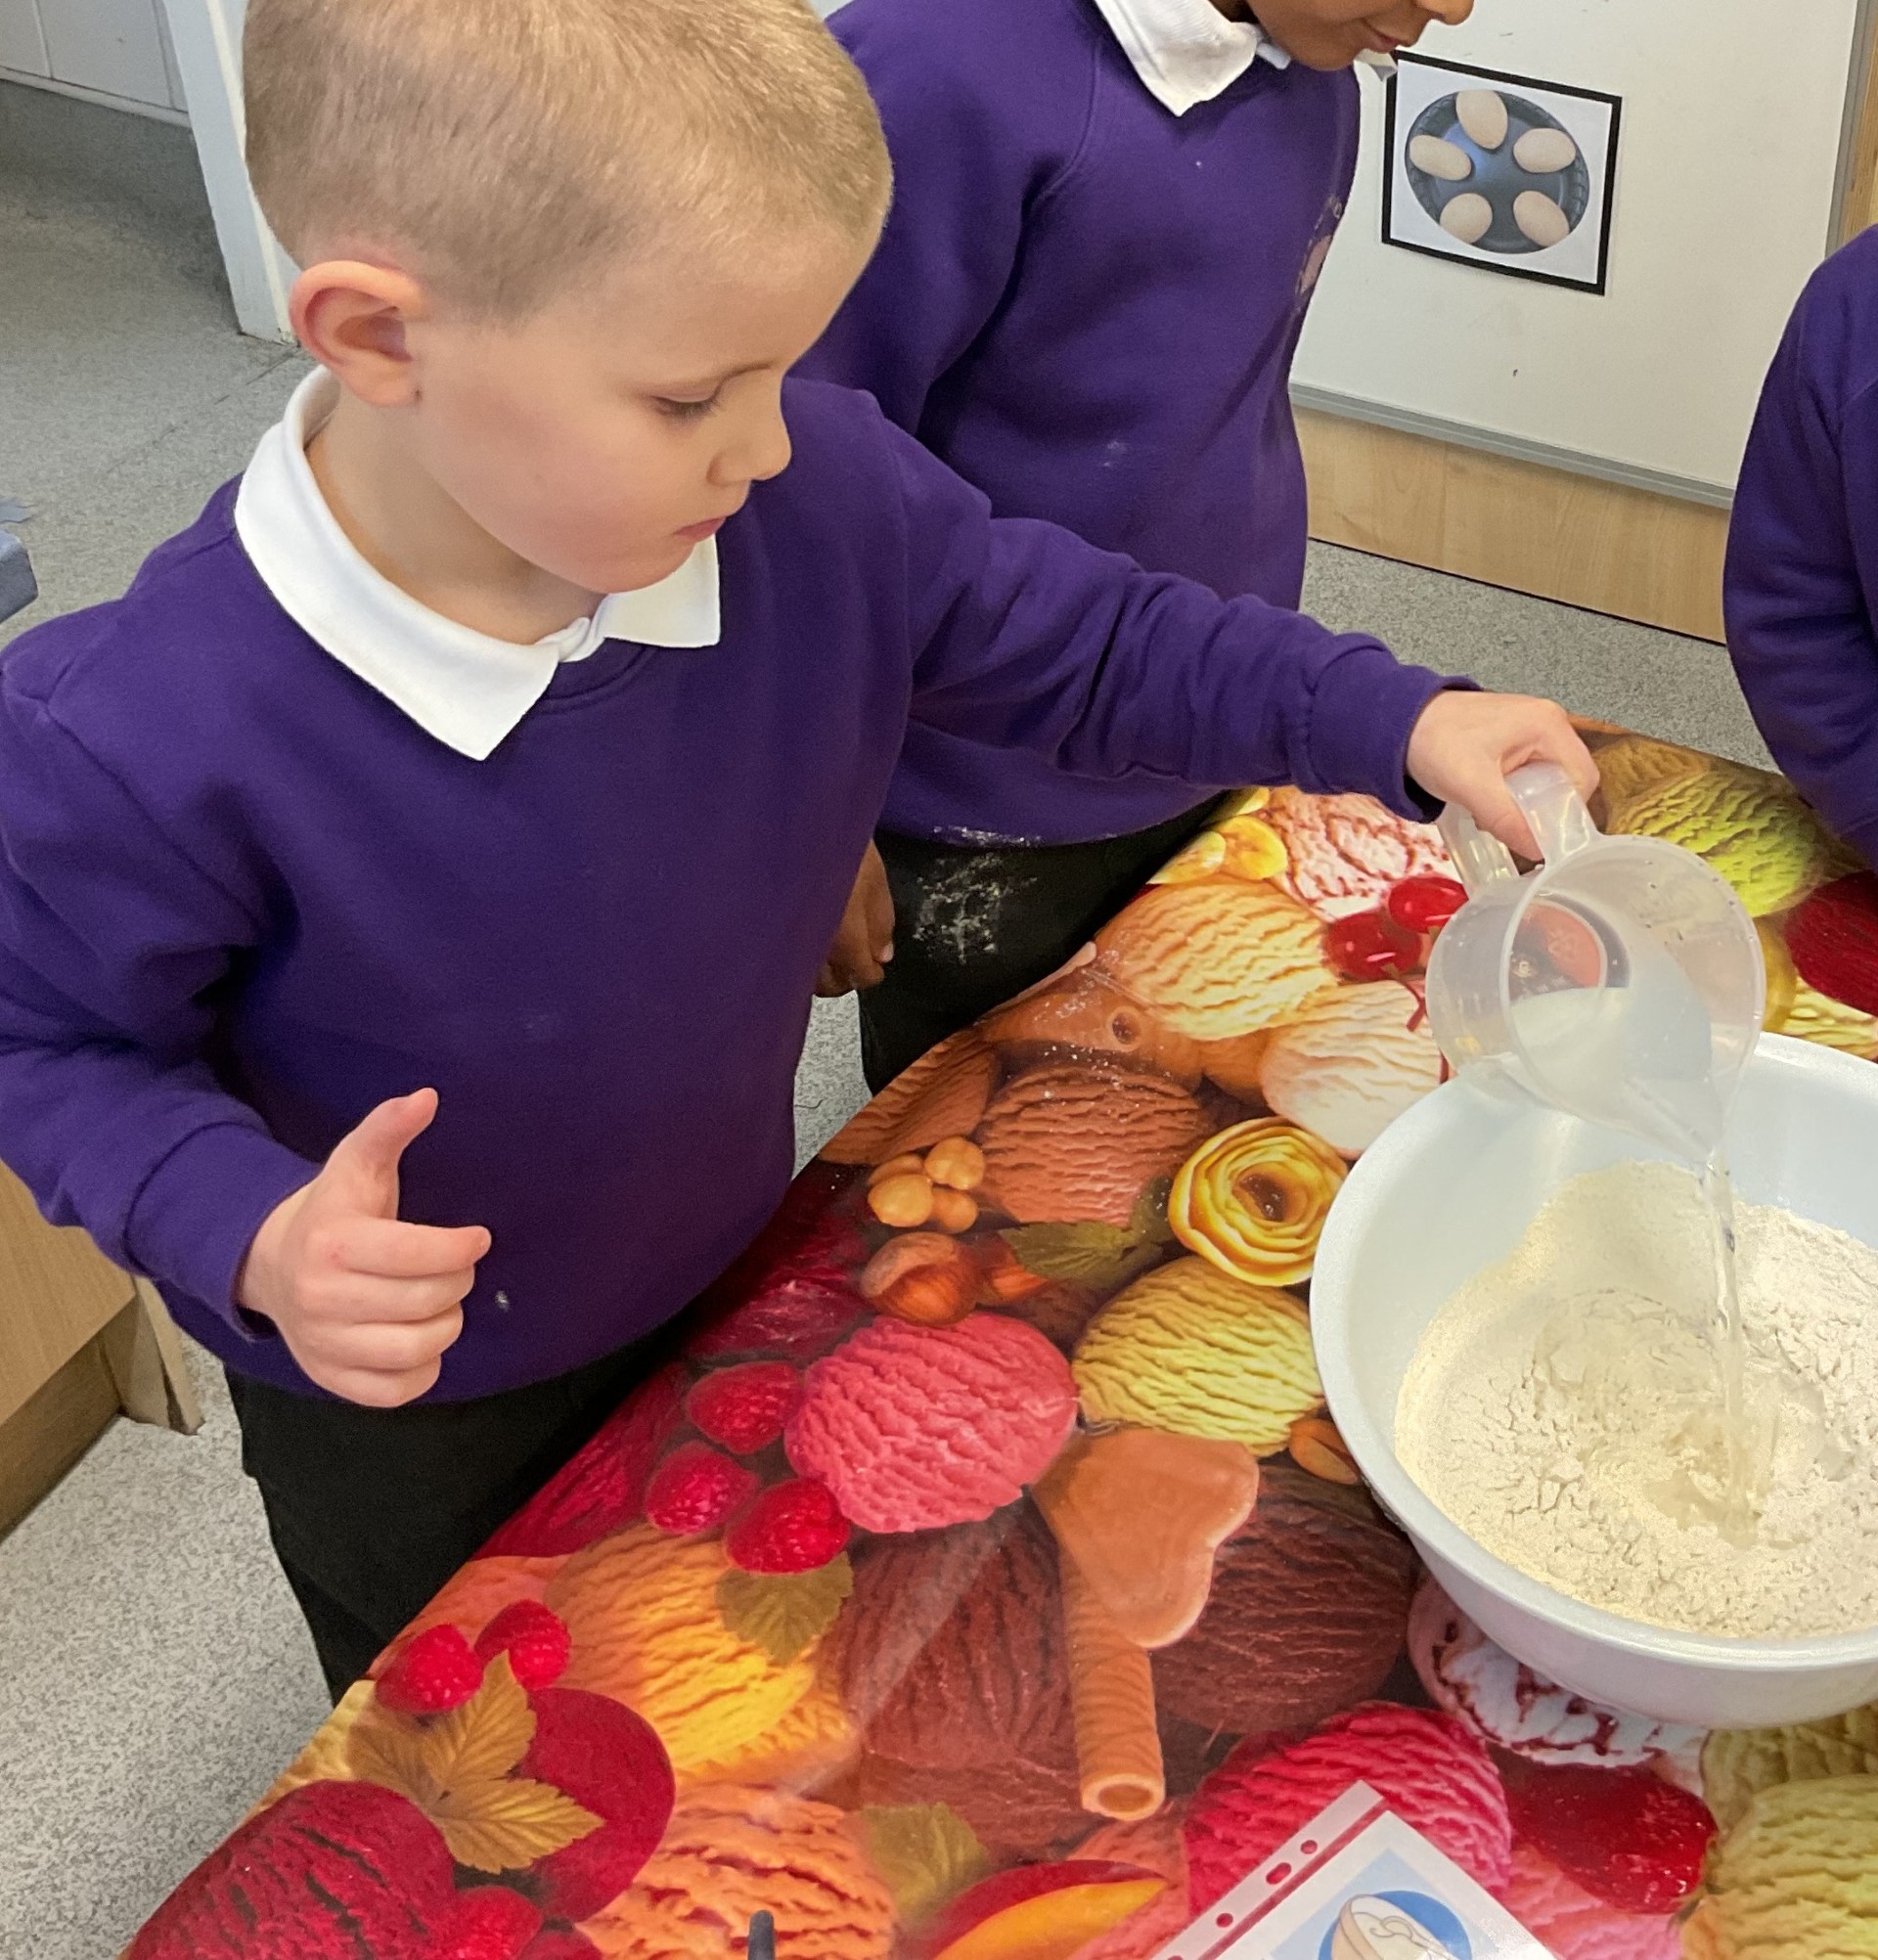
[1621, 981]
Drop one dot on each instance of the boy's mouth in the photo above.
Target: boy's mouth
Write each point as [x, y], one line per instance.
[697, 533]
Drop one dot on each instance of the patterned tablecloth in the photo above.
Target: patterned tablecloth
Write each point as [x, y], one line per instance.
[987, 1578]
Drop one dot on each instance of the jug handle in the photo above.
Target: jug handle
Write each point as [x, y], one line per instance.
[1549, 801]
[1482, 860]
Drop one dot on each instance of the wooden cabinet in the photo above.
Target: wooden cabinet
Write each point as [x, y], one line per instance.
[80, 1341]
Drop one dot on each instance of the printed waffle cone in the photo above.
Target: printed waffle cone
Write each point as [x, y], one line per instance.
[1111, 1689]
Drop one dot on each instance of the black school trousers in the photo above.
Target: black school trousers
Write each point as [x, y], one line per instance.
[972, 928]
[372, 1509]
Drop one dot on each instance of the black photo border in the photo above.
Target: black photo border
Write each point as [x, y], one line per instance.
[1486, 261]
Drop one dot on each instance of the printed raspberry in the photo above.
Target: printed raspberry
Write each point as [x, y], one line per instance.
[1625, 1835]
[745, 1407]
[695, 1488]
[436, 1670]
[534, 1639]
[560, 1942]
[794, 1527]
[490, 1923]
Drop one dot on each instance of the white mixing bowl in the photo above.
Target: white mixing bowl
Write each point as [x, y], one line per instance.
[1450, 1188]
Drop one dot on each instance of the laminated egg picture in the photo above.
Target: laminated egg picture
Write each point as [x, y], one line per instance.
[1504, 172]
[1496, 149]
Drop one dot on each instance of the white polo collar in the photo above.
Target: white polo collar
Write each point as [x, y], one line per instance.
[1187, 51]
[468, 689]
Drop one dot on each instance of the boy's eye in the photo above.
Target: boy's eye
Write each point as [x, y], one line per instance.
[681, 410]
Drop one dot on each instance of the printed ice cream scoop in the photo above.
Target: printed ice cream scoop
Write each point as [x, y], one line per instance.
[1812, 1017]
[1750, 826]
[643, 1612]
[1088, 1012]
[809, 1746]
[1017, 1808]
[1191, 1349]
[1343, 852]
[1572, 1925]
[1737, 1764]
[1347, 1069]
[1308, 1612]
[1424, 1765]
[950, 1653]
[1632, 764]
[1505, 1704]
[1253, 1200]
[1142, 1513]
[1216, 959]
[942, 1095]
[331, 1871]
[731, 1851]
[914, 1428]
[1081, 1141]
[1798, 1876]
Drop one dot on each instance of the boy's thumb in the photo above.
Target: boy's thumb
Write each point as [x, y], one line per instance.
[364, 1161]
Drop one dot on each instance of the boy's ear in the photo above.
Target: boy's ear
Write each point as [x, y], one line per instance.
[354, 319]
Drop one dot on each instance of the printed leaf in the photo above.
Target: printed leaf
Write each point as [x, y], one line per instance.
[505, 1822]
[924, 1853]
[1147, 1223]
[390, 1751]
[487, 1736]
[783, 1614]
[1101, 1256]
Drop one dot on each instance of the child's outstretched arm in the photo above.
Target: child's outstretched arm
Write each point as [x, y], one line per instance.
[1800, 571]
[112, 945]
[1026, 637]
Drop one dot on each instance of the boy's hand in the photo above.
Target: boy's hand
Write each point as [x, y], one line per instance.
[864, 945]
[1465, 746]
[365, 1303]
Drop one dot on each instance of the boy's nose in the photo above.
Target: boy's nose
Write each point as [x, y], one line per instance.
[762, 450]
[1450, 13]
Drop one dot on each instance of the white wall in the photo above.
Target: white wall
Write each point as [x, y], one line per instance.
[113, 51]
[1731, 126]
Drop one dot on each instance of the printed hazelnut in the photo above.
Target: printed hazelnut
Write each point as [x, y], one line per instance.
[1318, 1446]
[924, 1277]
[904, 1200]
[1002, 1276]
[907, 1163]
[953, 1211]
[956, 1162]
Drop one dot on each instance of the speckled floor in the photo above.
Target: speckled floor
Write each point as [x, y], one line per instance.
[153, 1672]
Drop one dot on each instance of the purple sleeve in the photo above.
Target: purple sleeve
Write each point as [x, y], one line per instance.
[1026, 637]
[111, 944]
[961, 180]
[1800, 628]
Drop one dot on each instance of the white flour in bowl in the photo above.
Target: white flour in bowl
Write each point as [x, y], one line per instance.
[1563, 1409]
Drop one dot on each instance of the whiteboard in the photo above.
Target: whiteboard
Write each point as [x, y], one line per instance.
[1733, 114]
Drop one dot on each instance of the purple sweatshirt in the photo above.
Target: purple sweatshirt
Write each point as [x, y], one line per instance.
[1803, 550]
[243, 898]
[1088, 306]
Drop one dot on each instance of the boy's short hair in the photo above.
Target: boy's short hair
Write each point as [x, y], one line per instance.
[502, 149]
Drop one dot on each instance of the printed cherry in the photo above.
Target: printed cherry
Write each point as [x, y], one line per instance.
[1425, 904]
[1371, 946]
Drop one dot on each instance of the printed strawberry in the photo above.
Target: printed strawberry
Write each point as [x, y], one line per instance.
[490, 1923]
[695, 1488]
[1624, 1836]
[434, 1670]
[609, 1761]
[603, 1486]
[795, 1526]
[745, 1407]
[534, 1639]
